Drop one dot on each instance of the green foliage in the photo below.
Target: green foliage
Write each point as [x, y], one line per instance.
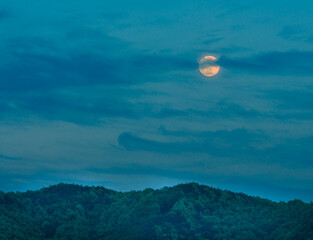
[186, 211]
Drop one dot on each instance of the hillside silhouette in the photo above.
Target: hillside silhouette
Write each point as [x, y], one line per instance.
[186, 211]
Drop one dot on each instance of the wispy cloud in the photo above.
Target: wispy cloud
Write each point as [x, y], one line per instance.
[219, 143]
[36, 69]
[295, 99]
[239, 143]
[295, 63]
[8, 157]
[296, 33]
[79, 109]
[212, 40]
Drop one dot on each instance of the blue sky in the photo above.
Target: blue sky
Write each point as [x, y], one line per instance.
[109, 93]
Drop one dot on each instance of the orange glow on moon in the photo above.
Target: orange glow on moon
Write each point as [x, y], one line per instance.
[208, 67]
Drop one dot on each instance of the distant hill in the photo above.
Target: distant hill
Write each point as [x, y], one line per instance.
[186, 211]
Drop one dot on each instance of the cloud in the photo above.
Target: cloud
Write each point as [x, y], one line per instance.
[37, 66]
[295, 33]
[79, 107]
[8, 157]
[4, 14]
[237, 144]
[291, 33]
[161, 63]
[296, 104]
[169, 112]
[80, 110]
[222, 109]
[287, 105]
[293, 152]
[95, 39]
[310, 39]
[226, 109]
[219, 143]
[113, 16]
[273, 63]
[41, 71]
[212, 40]
[297, 99]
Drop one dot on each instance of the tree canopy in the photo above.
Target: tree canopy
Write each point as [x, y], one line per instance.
[186, 211]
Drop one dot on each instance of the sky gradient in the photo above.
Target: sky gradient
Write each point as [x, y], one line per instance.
[109, 93]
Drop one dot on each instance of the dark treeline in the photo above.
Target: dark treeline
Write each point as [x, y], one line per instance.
[187, 211]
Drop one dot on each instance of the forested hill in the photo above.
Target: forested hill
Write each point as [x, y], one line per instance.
[186, 211]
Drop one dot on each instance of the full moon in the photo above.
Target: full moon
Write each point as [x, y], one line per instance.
[208, 67]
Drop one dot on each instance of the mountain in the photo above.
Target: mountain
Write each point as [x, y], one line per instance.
[186, 211]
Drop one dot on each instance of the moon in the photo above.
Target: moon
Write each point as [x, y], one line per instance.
[208, 67]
